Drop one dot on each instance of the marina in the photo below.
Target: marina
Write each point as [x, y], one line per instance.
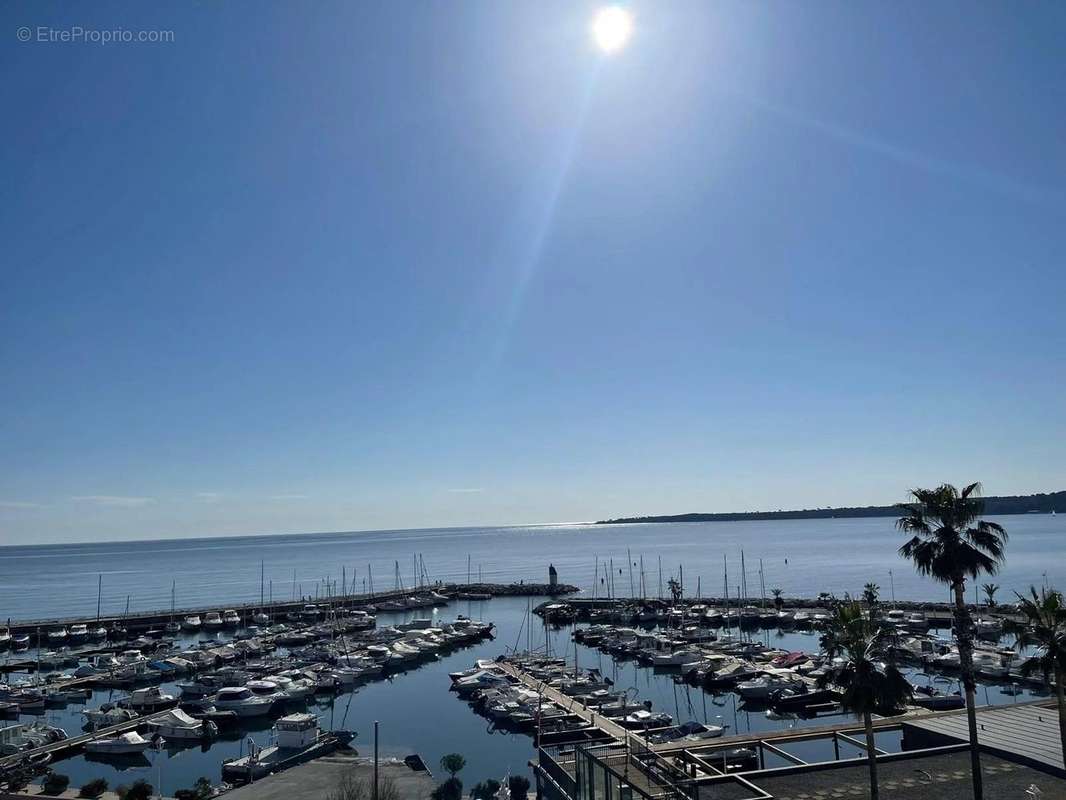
[673, 674]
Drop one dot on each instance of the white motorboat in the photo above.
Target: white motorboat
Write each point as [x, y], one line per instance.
[149, 699]
[191, 623]
[231, 618]
[990, 628]
[16, 738]
[259, 618]
[58, 636]
[762, 687]
[647, 719]
[107, 715]
[243, 701]
[675, 659]
[178, 725]
[78, 633]
[896, 617]
[213, 620]
[267, 689]
[917, 621]
[480, 680]
[172, 627]
[5, 637]
[125, 744]
[480, 665]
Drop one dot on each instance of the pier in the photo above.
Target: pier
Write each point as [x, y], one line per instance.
[140, 622]
[67, 747]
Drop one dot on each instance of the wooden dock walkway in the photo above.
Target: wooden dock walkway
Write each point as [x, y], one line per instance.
[77, 742]
[570, 704]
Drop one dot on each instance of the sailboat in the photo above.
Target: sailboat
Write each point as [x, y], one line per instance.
[173, 626]
[261, 617]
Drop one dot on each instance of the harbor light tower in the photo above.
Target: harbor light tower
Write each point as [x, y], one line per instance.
[553, 578]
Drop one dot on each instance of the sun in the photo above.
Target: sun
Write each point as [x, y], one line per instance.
[611, 28]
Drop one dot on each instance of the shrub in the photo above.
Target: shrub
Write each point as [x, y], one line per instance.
[201, 790]
[519, 786]
[486, 790]
[55, 783]
[140, 789]
[451, 789]
[94, 788]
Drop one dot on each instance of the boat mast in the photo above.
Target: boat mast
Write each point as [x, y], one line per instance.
[99, 590]
[725, 574]
[743, 578]
[629, 558]
[262, 575]
[762, 584]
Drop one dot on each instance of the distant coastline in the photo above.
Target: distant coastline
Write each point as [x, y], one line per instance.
[1054, 502]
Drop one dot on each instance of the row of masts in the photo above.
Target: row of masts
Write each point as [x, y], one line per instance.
[325, 589]
[607, 581]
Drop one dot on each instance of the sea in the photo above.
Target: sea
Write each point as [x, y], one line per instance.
[801, 557]
[415, 710]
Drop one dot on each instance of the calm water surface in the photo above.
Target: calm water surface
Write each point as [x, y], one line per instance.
[418, 714]
[833, 555]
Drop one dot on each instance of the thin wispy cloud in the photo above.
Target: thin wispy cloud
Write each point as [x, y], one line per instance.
[114, 501]
[18, 504]
[288, 497]
[209, 497]
[472, 490]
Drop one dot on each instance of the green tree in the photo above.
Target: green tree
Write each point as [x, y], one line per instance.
[452, 763]
[950, 543]
[1044, 631]
[519, 786]
[778, 602]
[990, 590]
[451, 789]
[140, 789]
[866, 685]
[485, 790]
[870, 594]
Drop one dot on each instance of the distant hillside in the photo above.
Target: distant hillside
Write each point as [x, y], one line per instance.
[994, 506]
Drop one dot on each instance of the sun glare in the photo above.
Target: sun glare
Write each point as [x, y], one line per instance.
[612, 28]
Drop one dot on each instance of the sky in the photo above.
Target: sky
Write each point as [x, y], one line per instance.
[357, 265]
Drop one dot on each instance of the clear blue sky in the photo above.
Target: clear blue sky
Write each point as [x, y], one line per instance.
[336, 265]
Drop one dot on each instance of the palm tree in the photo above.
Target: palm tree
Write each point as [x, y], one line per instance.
[779, 603]
[1044, 630]
[870, 593]
[950, 543]
[990, 590]
[675, 589]
[867, 685]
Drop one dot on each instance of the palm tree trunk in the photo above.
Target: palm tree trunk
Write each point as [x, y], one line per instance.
[1060, 692]
[871, 750]
[964, 635]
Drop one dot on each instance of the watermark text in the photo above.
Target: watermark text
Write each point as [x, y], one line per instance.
[76, 34]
